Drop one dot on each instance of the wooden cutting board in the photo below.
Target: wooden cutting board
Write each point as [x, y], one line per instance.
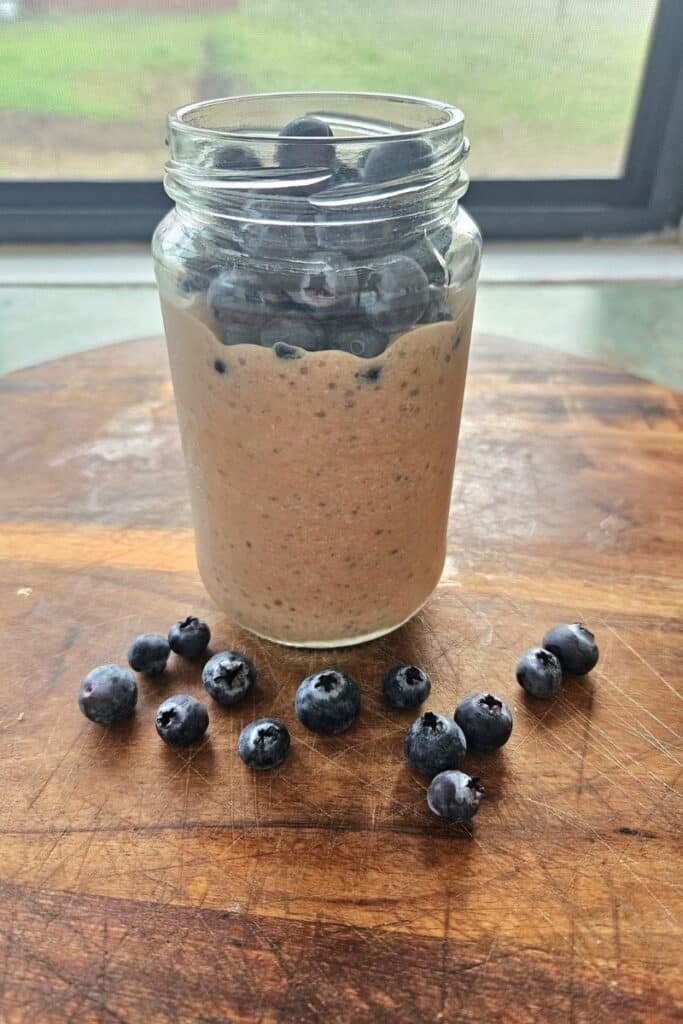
[140, 884]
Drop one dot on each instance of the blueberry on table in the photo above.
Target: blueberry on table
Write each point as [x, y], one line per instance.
[328, 285]
[149, 653]
[108, 694]
[539, 673]
[263, 743]
[395, 293]
[406, 686]
[181, 720]
[454, 796]
[327, 702]
[190, 637]
[574, 647]
[299, 332]
[362, 341]
[315, 153]
[434, 743]
[486, 721]
[389, 161]
[228, 676]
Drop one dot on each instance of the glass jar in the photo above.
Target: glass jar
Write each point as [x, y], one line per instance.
[317, 280]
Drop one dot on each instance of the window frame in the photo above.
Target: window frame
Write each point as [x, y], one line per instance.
[647, 197]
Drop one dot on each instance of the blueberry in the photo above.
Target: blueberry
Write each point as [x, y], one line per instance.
[329, 285]
[395, 293]
[299, 332]
[263, 743]
[306, 154]
[192, 282]
[220, 366]
[181, 720]
[389, 161]
[237, 293]
[430, 252]
[485, 720]
[361, 238]
[454, 796]
[434, 743]
[234, 156]
[406, 686]
[108, 693]
[259, 237]
[330, 232]
[149, 653]
[228, 676]
[371, 375]
[193, 255]
[327, 702]
[538, 672]
[283, 351]
[359, 340]
[189, 637]
[574, 647]
[241, 331]
[345, 175]
[438, 310]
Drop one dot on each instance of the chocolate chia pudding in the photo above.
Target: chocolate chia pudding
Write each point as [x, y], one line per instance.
[319, 381]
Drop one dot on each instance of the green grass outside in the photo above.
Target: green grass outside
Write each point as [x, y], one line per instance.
[558, 87]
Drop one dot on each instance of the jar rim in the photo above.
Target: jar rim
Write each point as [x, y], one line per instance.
[178, 119]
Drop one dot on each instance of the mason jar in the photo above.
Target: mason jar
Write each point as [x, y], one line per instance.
[317, 279]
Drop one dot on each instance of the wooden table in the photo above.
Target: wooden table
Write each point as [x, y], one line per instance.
[140, 884]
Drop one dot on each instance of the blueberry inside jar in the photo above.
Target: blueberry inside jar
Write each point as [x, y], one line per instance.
[317, 278]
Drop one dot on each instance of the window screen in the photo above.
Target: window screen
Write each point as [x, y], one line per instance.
[549, 87]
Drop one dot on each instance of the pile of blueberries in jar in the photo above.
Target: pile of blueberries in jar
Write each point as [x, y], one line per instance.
[304, 273]
[328, 703]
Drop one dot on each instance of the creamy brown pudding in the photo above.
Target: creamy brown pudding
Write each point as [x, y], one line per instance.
[320, 484]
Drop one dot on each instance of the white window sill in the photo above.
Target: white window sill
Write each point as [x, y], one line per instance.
[504, 263]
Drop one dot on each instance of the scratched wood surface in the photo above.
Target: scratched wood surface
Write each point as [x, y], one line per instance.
[142, 885]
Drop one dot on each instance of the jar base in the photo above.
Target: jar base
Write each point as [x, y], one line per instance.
[322, 645]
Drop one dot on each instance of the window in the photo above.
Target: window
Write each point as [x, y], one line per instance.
[574, 107]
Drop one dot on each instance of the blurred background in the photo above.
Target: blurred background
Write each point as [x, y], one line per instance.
[574, 109]
[549, 87]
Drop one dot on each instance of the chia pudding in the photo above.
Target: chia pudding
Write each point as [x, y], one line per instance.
[318, 359]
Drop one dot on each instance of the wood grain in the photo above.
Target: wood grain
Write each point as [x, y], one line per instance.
[139, 884]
